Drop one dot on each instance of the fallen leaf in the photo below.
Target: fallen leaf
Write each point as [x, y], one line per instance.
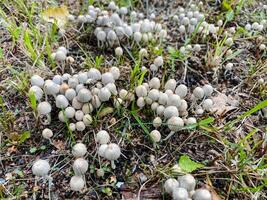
[58, 15]
[59, 144]
[12, 149]
[220, 104]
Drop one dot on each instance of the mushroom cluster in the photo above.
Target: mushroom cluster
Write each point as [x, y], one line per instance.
[184, 189]
[76, 96]
[107, 150]
[80, 166]
[117, 24]
[171, 104]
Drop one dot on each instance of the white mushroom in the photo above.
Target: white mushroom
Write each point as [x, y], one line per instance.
[155, 136]
[141, 91]
[207, 104]
[51, 88]
[40, 168]
[115, 72]
[102, 137]
[170, 85]
[80, 166]
[174, 100]
[202, 194]
[79, 150]
[170, 185]
[153, 94]
[77, 183]
[37, 91]
[76, 104]
[44, 108]
[61, 101]
[104, 94]
[47, 133]
[84, 95]
[198, 93]
[80, 126]
[37, 80]
[112, 153]
[70, 94]
[157, 122]
[180, 194]
[181, 90]
[57, 79]
[187, 182]
[118, 51]
[154, 83]
[107, 78]
[102, 149]
[87, 120]
[170, 111]
[94, 74]
[208, 90]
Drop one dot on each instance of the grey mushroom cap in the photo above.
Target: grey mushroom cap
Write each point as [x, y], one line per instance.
[80, 166]
[170, 85]
[73, 82]
[69, 112]
[37, 91]
[37, 80]
[79, 150]
[40, 168]
[57, 79]
[104, 94]
[202, 194]
[70, 94]
[180, 194]
[107, 78]
[94, 74]
[102, 137]
[170, 111]
[198, 93]
[77, 183]
[44, 108]
[112, 152]
[170, 185]
[61, 101]
[51, 88]
[187, 181]
[84, 95]
[181, 90]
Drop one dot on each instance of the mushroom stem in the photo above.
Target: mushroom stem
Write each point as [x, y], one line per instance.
[113, 166]
[170, 134]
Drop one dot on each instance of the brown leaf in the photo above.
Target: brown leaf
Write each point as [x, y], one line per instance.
[12, 149]
[59, 144]
[220, 104]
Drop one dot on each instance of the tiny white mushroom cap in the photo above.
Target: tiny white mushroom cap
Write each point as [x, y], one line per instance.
[170, 185]
[72, 127]
[208, 90]
[154, 83]
[148, 100]
[69, 112]
[87, 119]
[168, 92]
[160, 110]
[170, 85]
[37, 91]
[104, 94]
[157, 122]
[115, 71]
[102, 137]
[84, 95]
[123, 94]
[61, 101]
[87, 108]
[112, 152]
[73, 82]
[180, 194]
[80, 166]
[82, 77]
[198, 92]
[44, 108]
[107, 78]
[141, 91]
[51, 88]
[60, 56]
[175, 123]
[153, 94]
[102, 149]
[187, 182]
[79, 87]
[229, 41]
[170, 111]
[202, 194]
[141, 102]
[70, 94]
[80, 126]
[181, 90]
[137, 37]
[191, 120]
[37, 80]
[155, 135]
[76, 104]
[79, 150]
[61, 48]
[79, 115]
[57, 79]
[174, 100]
[118, 51]
[183, 106]
[77, 183]
[163, 98]
[61, 116]
[94, 74]
[96, 103]
[47, 133]
[207, 104]
[158, 61]
[143, 53]
[40, 168]
[112, 88]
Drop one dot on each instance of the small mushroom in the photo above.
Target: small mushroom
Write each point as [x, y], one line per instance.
[107, 78]
[104, 94]
[37, 80]
[47, 133]
[174, 100]
[79, 150]
[102, 137]
[208, 90]
[84, 95]
[198, 93]
[207, 104]
[170, 85]
[80, 126]
[181, 90]
[154, 83]
[153, 94]
[157, 122]
[155, 136]
[61, 101]
[141, 91]
[94, 74]
[87, 120]
[170, 185]
[141, 102]
[77, 183]
[180, 194]
[187, 182]
[44, 108]
[70, 94]
[202, 194]
[118, 51]
[112, 153]
[37, 91]
[170, 111]
[40, 168]
[115, 72]
[80, 166]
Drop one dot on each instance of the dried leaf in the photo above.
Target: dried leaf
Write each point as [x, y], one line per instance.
[58, 15]
[59, 144]
[220, 104]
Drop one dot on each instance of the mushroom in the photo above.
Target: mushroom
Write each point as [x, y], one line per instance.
[107, 78]
[174, 124]
[104, 94]
[40, 168]
[157, 122]
[153, 94]
[207, 104]
[198, 93]
[118, 51]
[57, 79]
[141, 102]
[79, 115]
[60, 56]
[102, 149]
[208, 90]
[112, 88]
[202, 194]
[73, 82]
[174, 100]
[100, 172]
[61, 101]
[94, 74]
[163, 98]
[80, 166]
[187, 182]
[155, 136]
[170, 111]
[191, 120]
[181, 90]
[115, 72]
[70, 94]
[76, 104]
[96, 103]
[102, 137]
[112, 153]
[84, 95]
[77, 183]
[170, 185]
[44, 108]
[154, 83]
[180, 194]
[37, 91]
[82, 77]
[158, 61]
[170, 85]
[51, 88]
[141, 91]
[79, 150]
[63, 88]
[160, 110]
[37, 80]
[80, 126]
[47, 133]
[72, 127]
[87, 120]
